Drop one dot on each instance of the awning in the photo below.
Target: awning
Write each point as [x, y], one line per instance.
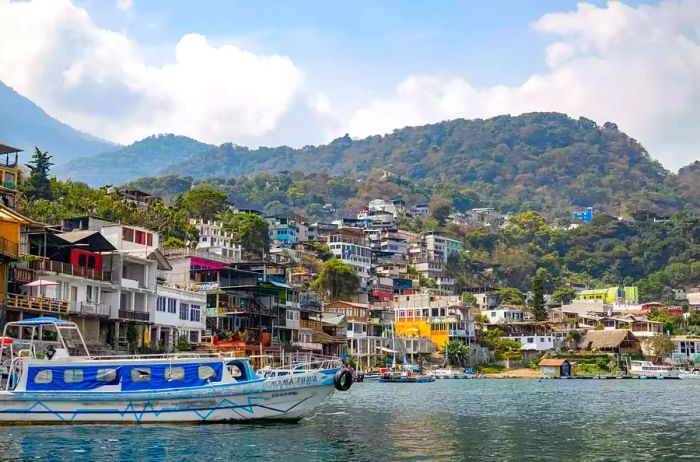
[387, 350]
[280, 284]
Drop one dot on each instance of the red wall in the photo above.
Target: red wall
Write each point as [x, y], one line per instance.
[75, 258]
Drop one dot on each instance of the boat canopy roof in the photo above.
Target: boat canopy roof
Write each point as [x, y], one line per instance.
[39, 321]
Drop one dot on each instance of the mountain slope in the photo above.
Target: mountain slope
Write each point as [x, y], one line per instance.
[142, 158]
[533, 161]
[24, 125]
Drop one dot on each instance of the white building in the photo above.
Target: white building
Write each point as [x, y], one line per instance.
[134, 266]
[393, 207]
[213, 239]
[351, 246]
[178, 313]
[538, 342]
[505, 315]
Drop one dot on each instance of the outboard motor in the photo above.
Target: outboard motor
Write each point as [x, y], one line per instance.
[343, 380]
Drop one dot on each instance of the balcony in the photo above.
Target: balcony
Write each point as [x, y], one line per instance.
[43, 304]
[308, 346]
[53, 266]
[130, 283]
[9, 249]
[129, 315]
[309, 324]
[100, 310]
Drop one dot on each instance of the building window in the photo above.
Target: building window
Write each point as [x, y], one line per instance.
[184, 311]
[161, 304]
[194, 336]
[149, 239]
[195, 313]
[530, 340]
[172, 305]
[140, 237]
[128, 234]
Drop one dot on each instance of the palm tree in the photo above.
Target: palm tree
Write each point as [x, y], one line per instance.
[456, 352]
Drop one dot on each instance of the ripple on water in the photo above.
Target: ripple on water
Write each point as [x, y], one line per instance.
[445, 420]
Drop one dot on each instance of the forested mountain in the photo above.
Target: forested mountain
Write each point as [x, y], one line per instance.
[539, 161]
[24, 125]
[142, 158]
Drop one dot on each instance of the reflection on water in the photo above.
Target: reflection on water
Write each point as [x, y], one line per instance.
[445, 420]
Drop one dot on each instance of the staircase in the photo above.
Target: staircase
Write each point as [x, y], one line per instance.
[122, 339]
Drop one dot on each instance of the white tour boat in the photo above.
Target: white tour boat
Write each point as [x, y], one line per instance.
[649, 369]
[47, 375]
[688, 375]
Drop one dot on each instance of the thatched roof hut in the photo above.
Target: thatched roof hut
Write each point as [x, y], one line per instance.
[610, 341]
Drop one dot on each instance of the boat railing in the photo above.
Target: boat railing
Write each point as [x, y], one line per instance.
[296, 363]
[181, 355]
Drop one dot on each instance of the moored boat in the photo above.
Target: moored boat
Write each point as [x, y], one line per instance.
[49, 376]
[649, 369]
[690, 375]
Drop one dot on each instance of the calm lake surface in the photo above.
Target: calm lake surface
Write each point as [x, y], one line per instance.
[505, 419]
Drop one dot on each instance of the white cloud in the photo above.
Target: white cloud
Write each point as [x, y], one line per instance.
[124, 5]
[101, 81]
[638, 67]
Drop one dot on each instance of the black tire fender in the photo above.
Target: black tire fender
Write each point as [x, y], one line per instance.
[343, 380]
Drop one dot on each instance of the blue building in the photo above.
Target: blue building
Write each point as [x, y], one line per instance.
[585, 216]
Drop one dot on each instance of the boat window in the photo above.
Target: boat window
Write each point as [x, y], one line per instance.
[206, 373]
[73, 375]
[106, 375]
[141, 374]
[235, 371]
[43, 377]
[174, 374]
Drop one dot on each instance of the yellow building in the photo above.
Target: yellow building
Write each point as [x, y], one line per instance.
[11, 223]
[611, 295]
[437, 332]
[9, 175]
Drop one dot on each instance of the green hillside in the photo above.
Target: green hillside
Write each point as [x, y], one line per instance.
[142, 158]
[540, 161]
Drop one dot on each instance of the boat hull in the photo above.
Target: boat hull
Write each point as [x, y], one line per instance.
[289, 398]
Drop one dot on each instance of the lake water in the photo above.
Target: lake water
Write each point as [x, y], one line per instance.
[505, 419]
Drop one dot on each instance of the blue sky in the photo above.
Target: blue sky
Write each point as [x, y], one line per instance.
[303, 72]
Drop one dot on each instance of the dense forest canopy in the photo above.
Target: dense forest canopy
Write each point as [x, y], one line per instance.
[539, 161]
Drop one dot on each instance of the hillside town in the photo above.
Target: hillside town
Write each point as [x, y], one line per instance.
[128, 292]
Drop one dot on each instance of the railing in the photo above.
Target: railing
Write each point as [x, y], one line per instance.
[134, 315]
[37, 303]
[201, 253]
[54, 266]
[90, 309]
[309, 324]
[24, 275]
[9, 248]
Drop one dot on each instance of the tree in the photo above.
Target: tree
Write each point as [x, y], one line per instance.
[564, 295]
[440, 208]
[202, 202]
[337, 280]
[510, 296]
[38, 185]
[660, 347]
[456, 352]
[539, 310]
[468, 298]
[249, 230]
